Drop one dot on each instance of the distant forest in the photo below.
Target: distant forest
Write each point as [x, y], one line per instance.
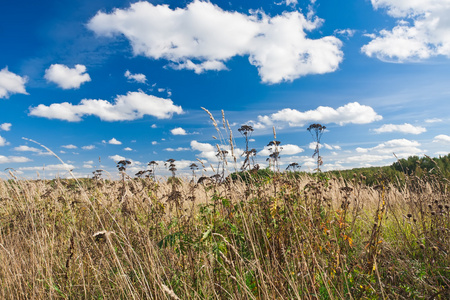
[413, 165]
[396, 173]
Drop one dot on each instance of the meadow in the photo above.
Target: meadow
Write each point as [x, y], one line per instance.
[254, 234]
[263, 235]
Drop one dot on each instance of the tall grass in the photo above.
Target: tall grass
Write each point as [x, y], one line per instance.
[277, 237]
[283, 235]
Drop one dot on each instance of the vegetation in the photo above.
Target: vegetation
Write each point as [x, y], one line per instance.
[398, 171]
[279, 236]
[375, 233]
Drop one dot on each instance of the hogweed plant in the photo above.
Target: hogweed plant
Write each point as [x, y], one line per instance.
[153, 164]
[317, 131]
[275, 149]
[249, 154]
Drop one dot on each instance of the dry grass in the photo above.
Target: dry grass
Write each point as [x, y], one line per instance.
[277, 237]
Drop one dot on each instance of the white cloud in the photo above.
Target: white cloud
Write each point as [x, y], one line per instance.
[135, 77]
[88, 147]
[69, 146]
[5, 126]
[154, 143]
[331, 147]
[287, 149]
[86, 166]
[401, 147]
[354, 113]
[65, 77]
[368, 158]
[312, 145]
[113, 141]
[178, 131]
[442, 153]
[214, 65]
[203, 37]
[3, 141]
[422, 30]
[57, 167]
[291, 2]
[209, 151]
[24, 148]
[434, 120]
[117, 158]
[11, 83]
[442, 138]
[404, 128]
[13, 159]
[203, 147]
[177, 149]
[154, 126]
[127, 149]
[345, 32]
[131, 106]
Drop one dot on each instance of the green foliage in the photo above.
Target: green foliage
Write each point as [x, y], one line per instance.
[262, 235]
[396, 172]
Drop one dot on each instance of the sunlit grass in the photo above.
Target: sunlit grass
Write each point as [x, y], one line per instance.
[277, 236]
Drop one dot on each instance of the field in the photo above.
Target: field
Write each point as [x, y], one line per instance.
[273, 235]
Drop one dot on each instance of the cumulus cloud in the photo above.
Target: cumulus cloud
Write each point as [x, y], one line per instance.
[67, 78]
[442, 138]
[331, 147]
[116, 157]
[135, 77]
[11, 83]
[203, 37]
[69, 146]
[114, 141]
[177, 149]
[132, 106]
[24, 148]
[208, 151]
[291, 2]
[127, 149]
[199, 68]
[348, 33]
[354, 113]
[404, 128]
[5, 126]
[312, 146]
[401, 147]
[361, 150]
[367, 158]
[178, 131]
[287, 149]
[13, 159]
[88, 147]
[3, 141]
[422, 30]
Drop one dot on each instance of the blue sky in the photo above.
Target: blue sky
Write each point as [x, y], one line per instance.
[98, 81]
